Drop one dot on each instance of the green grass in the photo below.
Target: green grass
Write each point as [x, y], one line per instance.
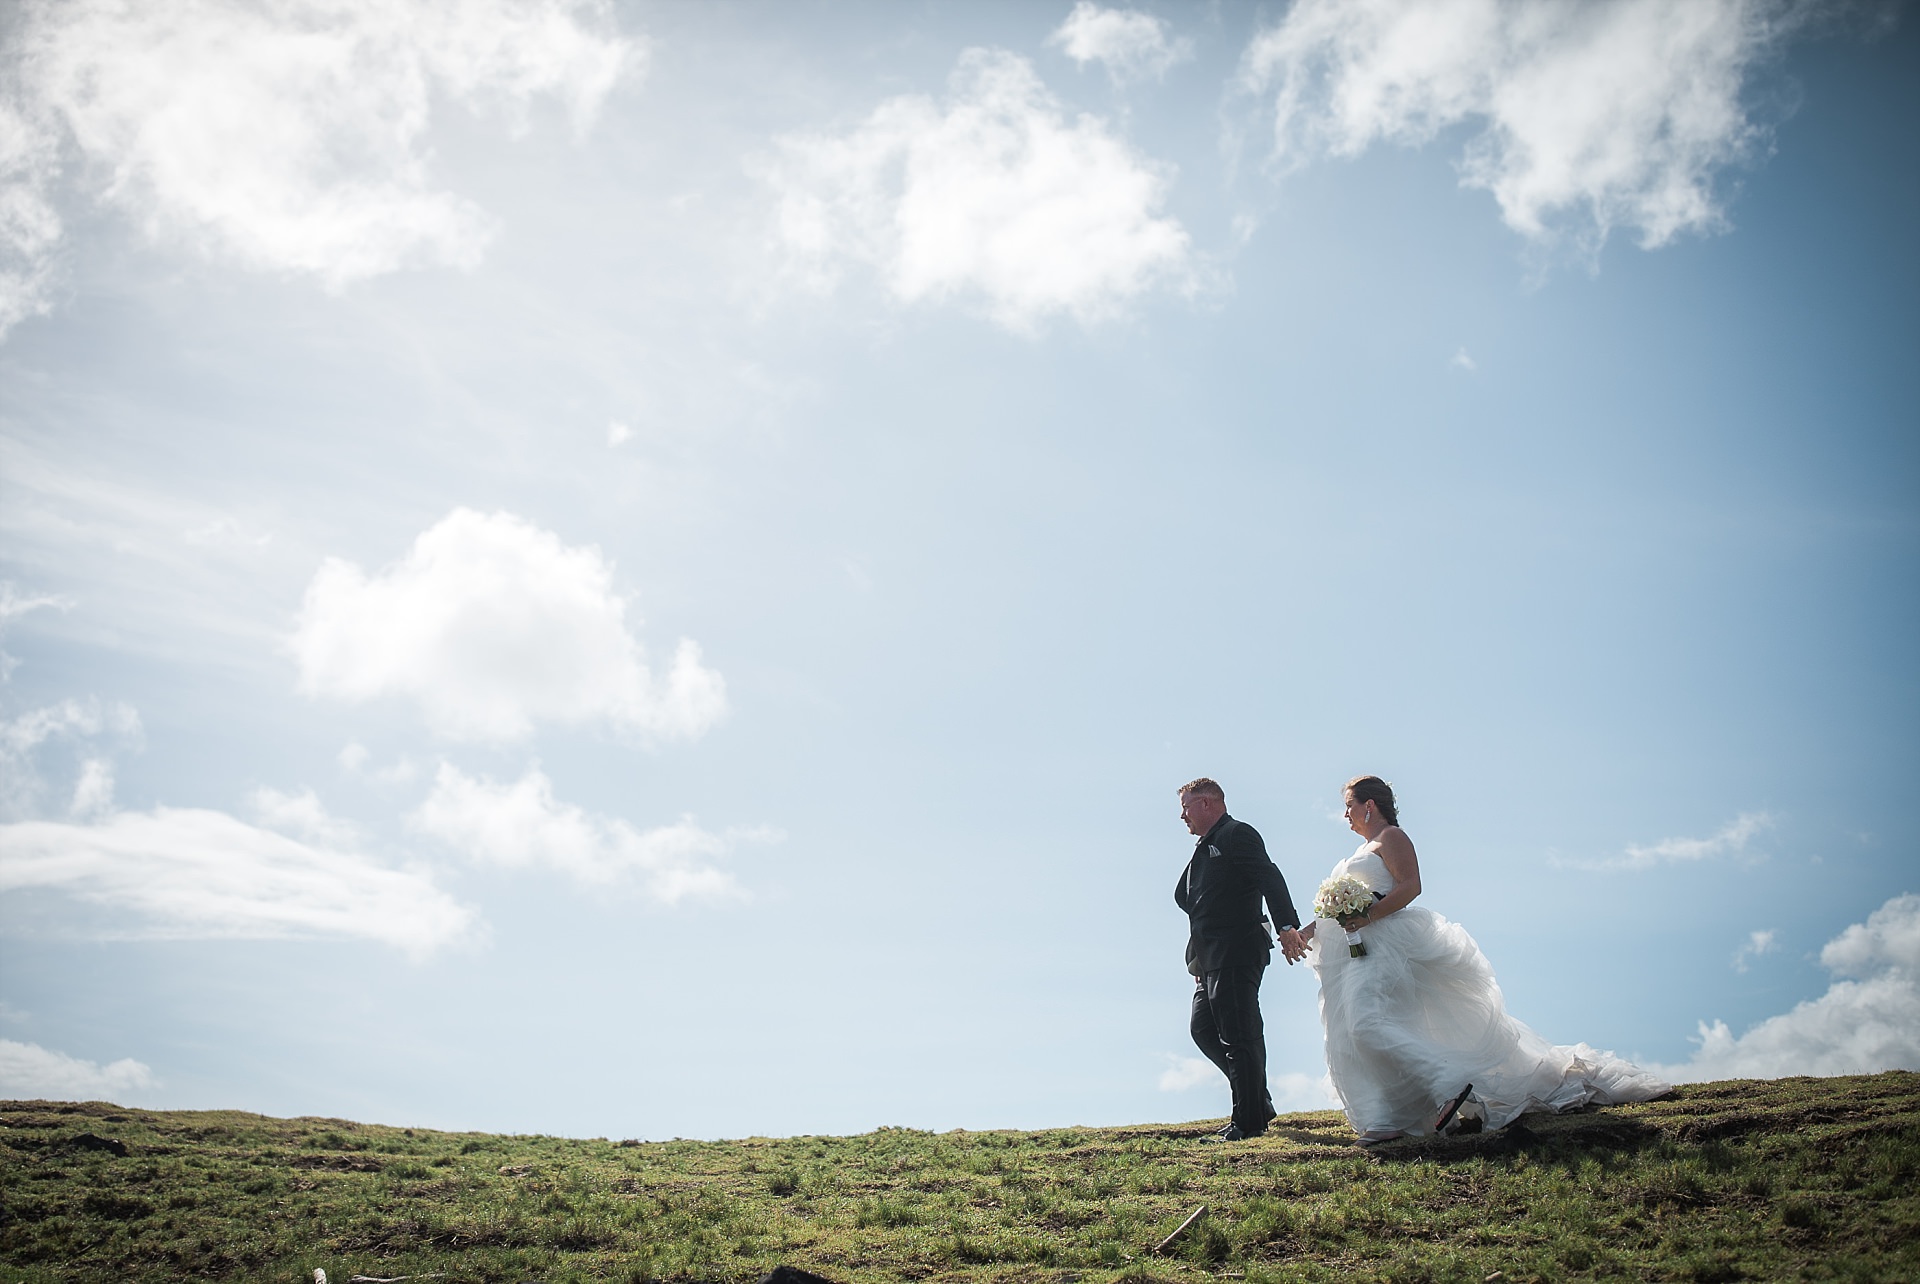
[1796, 1179]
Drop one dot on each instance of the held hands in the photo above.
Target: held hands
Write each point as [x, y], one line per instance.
[1293, 945]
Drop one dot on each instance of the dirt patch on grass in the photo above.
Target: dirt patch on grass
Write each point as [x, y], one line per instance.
[337, 1163]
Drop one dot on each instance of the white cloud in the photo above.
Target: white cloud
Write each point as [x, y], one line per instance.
[303, 815]
[288, 134]
[1764, 941]
[1888, 941]
[29, 1072]
[996, 194]
[186, 873]
[1183, 1073]
[78, 721]
[1133, 45]
[1290, 1092]
[1589, 116]
[93, 791]
[1859, 1026]
[354, 759]
[30, 226]
[491, 624]
[523, 825]
[1293, 1092]
[1731, 839]
[125, 533]
[14, 604]
[79, 718]
[225, 531]
[1463, 360]
[618, 433]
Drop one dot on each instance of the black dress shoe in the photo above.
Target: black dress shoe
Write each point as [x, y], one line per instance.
[1229, 1133]
[1446, 1116]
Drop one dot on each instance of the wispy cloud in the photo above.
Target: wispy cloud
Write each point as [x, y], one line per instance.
[31, 1072]
[93, 791]
[995, 194]
[81, 723]
[226, 531]
[354, 757]
[1131, 44]
[523, 825]
[288, 135]
[13, 605]
[1867, 1021]
[30, 224]
[189, 873]
[1764, 941]
[1462, 360]
[1589, 117]
[490, 625]
[1730, 840]
[302, 815]
[155, 557]
[1291, 1092]
[1183, 1073]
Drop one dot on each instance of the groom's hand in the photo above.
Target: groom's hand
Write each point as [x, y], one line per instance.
[1293, 945]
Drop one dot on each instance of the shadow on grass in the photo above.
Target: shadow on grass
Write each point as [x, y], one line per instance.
[1602, 1134]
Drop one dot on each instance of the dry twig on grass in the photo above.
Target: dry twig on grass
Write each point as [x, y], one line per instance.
[1181, 1229]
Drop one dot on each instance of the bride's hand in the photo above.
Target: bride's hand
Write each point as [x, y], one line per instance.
[1354, 922]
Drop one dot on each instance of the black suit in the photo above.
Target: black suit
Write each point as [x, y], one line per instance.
[1228, 951]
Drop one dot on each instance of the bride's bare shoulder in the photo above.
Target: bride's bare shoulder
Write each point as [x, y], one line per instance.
[1393, 840]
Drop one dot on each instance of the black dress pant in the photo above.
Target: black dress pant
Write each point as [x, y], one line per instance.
[1227, 1028]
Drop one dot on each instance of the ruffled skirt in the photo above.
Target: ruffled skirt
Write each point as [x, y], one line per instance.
[1420, 1016]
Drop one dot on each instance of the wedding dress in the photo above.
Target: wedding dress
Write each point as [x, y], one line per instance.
[1419, 1016]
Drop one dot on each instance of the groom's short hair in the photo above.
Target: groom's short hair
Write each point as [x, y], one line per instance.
[1204, 786]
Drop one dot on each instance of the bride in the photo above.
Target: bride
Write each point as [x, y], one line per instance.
[1416, 1027]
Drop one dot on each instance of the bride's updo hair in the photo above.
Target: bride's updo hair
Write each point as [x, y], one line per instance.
[1376, 791]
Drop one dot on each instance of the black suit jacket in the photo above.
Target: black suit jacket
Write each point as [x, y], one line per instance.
[1221, 890]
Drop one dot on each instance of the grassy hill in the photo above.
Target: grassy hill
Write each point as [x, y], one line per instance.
[1793, 1179]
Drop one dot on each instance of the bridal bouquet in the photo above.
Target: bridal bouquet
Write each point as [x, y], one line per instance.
[1343, 897]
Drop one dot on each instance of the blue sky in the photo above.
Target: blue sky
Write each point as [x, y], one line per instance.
[653, 570]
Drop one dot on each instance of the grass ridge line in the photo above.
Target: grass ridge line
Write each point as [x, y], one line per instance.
[1803, 1178]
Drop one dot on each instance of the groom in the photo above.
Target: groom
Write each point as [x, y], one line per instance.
[1228, 949]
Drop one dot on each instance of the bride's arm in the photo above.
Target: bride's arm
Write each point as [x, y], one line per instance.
[1396, 849]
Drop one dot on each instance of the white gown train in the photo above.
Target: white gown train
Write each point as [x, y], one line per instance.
[1420, 1016]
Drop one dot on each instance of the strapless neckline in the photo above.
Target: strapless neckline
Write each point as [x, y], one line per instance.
[1369, 868]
